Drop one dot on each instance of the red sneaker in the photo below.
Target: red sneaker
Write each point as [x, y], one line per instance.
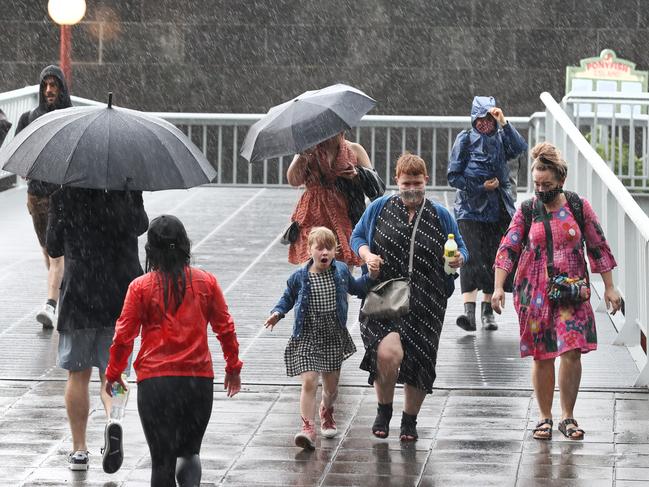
[327, 422]
[306, 438]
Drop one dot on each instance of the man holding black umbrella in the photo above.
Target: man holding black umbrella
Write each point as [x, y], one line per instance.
[53, 95]
[97, 231]
[103, 157]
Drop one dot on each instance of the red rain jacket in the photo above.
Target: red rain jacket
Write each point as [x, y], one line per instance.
[173, 343]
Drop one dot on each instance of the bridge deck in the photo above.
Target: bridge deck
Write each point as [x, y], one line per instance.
[473, 428]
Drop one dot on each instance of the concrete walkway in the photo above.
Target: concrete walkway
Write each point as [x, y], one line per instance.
[474, 428]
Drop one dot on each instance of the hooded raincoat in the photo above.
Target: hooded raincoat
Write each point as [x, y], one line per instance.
[476, 158]
[41, 188]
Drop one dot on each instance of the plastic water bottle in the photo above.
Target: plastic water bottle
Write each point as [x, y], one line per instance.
[450, 252]
[120, 397]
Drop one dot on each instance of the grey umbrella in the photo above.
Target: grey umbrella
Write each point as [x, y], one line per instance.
[106, 148]
[305, 121]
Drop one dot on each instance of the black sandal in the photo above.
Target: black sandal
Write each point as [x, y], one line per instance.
[568, 432]
[408, 427]
[381, 426]
[542, 428]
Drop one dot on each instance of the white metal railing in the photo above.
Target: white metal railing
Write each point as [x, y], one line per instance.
[617, 126]
[385, 137]
[624, 223]
[219, 136]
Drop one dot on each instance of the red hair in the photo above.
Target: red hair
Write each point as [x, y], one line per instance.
[411, 165]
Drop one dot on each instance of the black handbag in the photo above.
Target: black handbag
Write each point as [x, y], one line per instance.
[367, 183]
[291, 233]
[371, 183]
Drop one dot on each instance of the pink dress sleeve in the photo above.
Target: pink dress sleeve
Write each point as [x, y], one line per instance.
[511, 244]
[599, 253]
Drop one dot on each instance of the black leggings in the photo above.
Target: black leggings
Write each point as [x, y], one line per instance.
[174, 412]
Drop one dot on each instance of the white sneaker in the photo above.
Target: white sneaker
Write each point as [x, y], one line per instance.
[46, 316]
[78, 460]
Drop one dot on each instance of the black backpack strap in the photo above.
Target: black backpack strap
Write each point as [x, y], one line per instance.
[576, 205]
[527, 207]
[549, 246]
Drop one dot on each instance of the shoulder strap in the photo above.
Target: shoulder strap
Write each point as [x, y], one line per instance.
[527, 207]
[412, 238]
[549, 247]
[576, 205]
[577, 208]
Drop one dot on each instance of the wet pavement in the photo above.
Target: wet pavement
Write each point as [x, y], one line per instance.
[474, 429]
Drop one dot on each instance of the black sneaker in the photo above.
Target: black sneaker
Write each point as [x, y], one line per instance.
[112, 452]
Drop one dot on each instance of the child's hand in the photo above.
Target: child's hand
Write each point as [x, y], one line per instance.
[272, 320]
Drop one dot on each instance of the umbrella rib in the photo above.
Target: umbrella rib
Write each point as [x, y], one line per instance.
[71, 154]
[162, 142]
[49, 141]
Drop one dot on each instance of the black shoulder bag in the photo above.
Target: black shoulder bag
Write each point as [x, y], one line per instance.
[367, 183]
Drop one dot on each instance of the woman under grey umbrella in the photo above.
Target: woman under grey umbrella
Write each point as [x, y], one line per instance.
[404, 350]
[322, 204]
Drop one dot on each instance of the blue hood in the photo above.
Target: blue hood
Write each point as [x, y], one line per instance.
[481, 106]
[476, 157]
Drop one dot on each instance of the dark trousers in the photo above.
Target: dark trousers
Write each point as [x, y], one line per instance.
[174, 412]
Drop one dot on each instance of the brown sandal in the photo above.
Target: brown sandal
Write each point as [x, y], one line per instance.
[542, 427]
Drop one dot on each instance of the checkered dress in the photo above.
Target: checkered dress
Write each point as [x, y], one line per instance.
[323, 344]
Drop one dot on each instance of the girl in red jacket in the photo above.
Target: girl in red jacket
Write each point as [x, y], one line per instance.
[172, 305]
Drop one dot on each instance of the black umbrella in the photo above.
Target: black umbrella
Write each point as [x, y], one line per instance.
[106, 148]
[305, 121]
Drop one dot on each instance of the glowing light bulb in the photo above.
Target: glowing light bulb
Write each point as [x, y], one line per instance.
[66, 12]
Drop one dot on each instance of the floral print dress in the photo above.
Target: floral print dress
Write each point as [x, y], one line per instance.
[548, 330]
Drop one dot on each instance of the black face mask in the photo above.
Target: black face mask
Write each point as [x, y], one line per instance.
[549, 196]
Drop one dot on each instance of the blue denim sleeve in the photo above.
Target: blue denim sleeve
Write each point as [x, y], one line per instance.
[287, 301]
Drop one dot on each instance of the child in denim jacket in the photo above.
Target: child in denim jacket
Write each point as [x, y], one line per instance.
[320, 340]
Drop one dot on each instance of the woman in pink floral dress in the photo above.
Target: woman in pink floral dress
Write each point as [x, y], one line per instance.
[549, 330]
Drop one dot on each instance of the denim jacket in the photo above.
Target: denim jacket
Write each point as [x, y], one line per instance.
[297, 293]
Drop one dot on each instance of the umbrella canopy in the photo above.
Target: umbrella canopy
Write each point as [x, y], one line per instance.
[305, 121]
[106, 148]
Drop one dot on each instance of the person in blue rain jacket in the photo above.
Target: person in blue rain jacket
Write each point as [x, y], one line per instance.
[477, 168]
